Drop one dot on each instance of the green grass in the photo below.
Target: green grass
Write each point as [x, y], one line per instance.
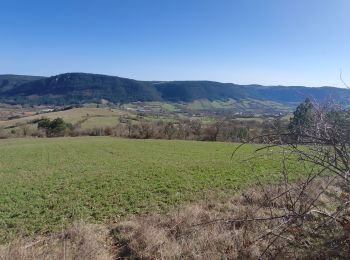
[47, 183]
[169, 107]
[100, 121]
[200, 104]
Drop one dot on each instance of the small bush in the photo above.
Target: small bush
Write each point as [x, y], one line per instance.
[54, 128]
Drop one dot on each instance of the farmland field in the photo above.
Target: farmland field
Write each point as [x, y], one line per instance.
[70, 116]
[47, 183]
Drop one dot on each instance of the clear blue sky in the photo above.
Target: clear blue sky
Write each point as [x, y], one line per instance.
[287, 42]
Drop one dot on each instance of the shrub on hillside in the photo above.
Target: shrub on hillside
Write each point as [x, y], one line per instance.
[54, 128]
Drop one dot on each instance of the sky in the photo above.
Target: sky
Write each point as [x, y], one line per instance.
[269, 42]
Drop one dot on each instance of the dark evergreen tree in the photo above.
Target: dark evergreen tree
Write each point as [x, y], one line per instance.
[302, 118]
[56, 127]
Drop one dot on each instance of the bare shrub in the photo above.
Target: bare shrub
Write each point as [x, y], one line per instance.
[318, 137]
[3, 134]
[108, 131]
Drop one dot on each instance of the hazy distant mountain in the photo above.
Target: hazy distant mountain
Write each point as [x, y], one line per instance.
[74, 88]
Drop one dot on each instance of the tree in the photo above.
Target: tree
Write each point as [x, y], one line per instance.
[169, 130]
[196, 128]
[212, 131]
[146, 129]
[44, 123]
[302, 119]
[56, 127]
[184, 129]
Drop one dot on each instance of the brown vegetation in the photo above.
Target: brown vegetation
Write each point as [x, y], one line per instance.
[80, 241]
[245, 227]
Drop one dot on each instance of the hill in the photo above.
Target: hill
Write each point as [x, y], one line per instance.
[77, 88]
[73, 88]
[7, 82]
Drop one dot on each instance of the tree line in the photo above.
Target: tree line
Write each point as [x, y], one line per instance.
[221, 129]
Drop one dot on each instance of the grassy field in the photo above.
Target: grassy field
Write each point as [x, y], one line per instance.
[90, 116]
[47, 183]
[248, 105]
[73, 116]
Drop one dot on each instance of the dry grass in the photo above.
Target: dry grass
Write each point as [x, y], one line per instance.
[205, 230]
[190, 234]
[80, 241]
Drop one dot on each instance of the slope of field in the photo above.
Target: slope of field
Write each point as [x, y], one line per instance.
[73, 116]
[47, 183]
[247, 105]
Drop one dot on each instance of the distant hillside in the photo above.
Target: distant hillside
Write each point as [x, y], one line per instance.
[76, 88]
[7, 82]
[194, 90]
[72, 88]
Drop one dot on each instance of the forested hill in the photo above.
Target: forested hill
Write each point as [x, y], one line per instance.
[76, 88]
[8, 82]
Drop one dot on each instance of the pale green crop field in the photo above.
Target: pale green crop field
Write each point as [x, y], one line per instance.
[100, 121]
[48, 183]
